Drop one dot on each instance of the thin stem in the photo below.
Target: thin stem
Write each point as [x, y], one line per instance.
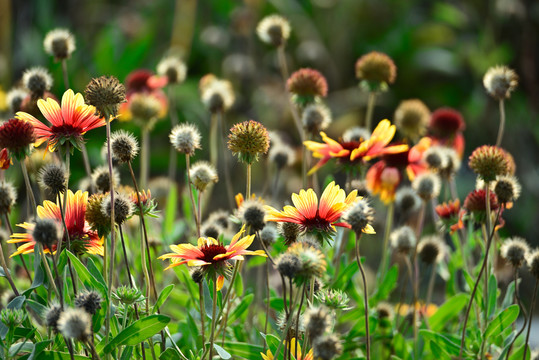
[370, 109]
[289, 322]
[202, 312]
[530, 319]
[431, 284]
[190, 190]
[65, 74]
[87, 166]
[29, 191]
[284, 73]
[49, 274]
[267, 302]
[389, 221]
[214, 140]
[297, 320]
[93, 350]
[305, 162]
[144, 157]
[112, 224]
[226, 161]
[248, 186]
[7, 272]
[502, 123]
[125, 256]
[213, 318]
[173, 157]
[365, 296]
[522, 310]
[226, 300]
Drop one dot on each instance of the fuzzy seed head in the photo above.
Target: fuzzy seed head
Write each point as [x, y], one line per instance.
[268, 235]
[488, 162]
[105, 94]
[376, 67]
[220, 217]
[90, 301]
[289, 231]
[273, 30]
[515, 250]
[145, 108]
[316, 117]
[359, 215]
[185, 138]
[500, 82]
[37, 80]
[411, 118]
[407, 201]
[288, 265]
[307, 84]
[124, 146]
[431, 249]
[46, 232]
[75, 324]
[17, 135]
[533, 263]
[385, 313]
[326, 347]
[451, 163]
[317, 321]
[51, 317]
[53, 177]
[427, 186]
[436, 158]
[8, 196]
[248, 140]
[15, 97]
[202, 174]
[281, 155]
[252, 214]
[173, 68]
[217, 95]
[59, 43]
[356, 134]
[403, 239]
[212, 230]
[101, 178]
[312, 260]
[197, 274]
[95, 217]
[123, 208]
[507, 188]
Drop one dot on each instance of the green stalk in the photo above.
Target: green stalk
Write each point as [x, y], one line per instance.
[365, 297]
[389, 222]
[248, 187]
[502, 123]
[530, 319]
[213, 318]
[190, 190]
[6, 271]
[370, 109]
[202, 312]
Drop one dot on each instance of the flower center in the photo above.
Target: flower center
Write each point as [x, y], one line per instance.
[66, 130]
[210, 251]
[316, 223]
[399, 160]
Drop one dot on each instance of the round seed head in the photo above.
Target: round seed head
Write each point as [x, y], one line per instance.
[500, 82]
[53, 177]
[411, 118]
[316, 117]
[217, 95]
[361, 187]
[407, 201]
[475, 203]
[124, 146]
[37, 80]
[427, 186]
[8, 196]
[273, 30]
[288, 265]
[307, 84]
[105, 94]
[403, 239]
[515, 250]
[211, 229]
[507, 188]
[173, 68]
[197, 274]
[431, 249]
[252, 214]
[376, 67]
[17, 135]
[385, 313]
[59, 43]
[436, 158]
[326, 347]
[145, 108]
[488, 162]
[317, 321]
[359, 215]
[289, 231]
[312, 260]
[101, 178]
[15, 97]
[202, 174]
[75, 324]
[185, 138]
[268, 235]
[51, 317]
[451, 163]
[123, 208]
[46, 232]
[220, 217]
[248, 140]
[95, 217]
[90, 301]
[356, 134]
[533, 263]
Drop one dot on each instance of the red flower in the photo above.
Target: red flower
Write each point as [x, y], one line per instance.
[5, 159]
[144, 82]
[446, 127]
[17, 135]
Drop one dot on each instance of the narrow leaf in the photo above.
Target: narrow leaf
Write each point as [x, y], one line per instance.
[137, 332]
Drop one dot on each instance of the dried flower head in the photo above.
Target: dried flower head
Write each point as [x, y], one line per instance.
[95, 217]
[306, 85]
[211, 229]
[316, 117]
[105, 94]
[273, 30]
[312, 260]
[75, 324]
[15, 97]
[407, 201]
[359, 215]
[145, 108]
[217, 95]
[289, 231]
[197, 274]
[317, 321]
[282, 323]
[435, 157]
[124, 146]
[326, 347]
[46, 232]
[185, 138]
[17, 135]
[220, 217]
[173, 68]
[403, 239]
[515, 250]
[90, 301]
[8, 196]
[431, 249]
[475, 204]
[248, 140]
[281, 154]
[53, 177]
[377, 69]
[507, 188]
[59, 43]
[51, 317]
[500, 82]
[252, 213]
[385, 313]
[446, 122]
[268, 235]
[488, 162]
[411, 118]
[451, 163]
[533, 263]
[123, 208]
[37, 80]
[202, 174]
[288, 265]
[427, 186]
[101, 178]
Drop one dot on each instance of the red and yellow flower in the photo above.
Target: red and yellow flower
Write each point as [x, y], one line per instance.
[82, 238]
[451, 215]
[5, 159]
[293, 343]
[144, 82]
[212, 255]
[68, 122]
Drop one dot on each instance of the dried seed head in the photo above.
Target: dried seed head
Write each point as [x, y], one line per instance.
[46, 232]
[124, 146]
[451, 163]
[17, 135]
[500, 82]
[507, 188]
[212, 230]
[361, 187]
[289, 231]
[326, 347]
[53, 177]
[51, 317]
[90, 301]
[145, 108]
[268, 235]
[446, 122]
[385, 313]
[515, 250]
[217, 95]
[288, 265]
[403, 239]
[95, 217]
[427, 186]
[411, 118]
[37, 80]
[281, 154]
[59, 43]
[14, 99]
[488, 162]
[316, 117]
[311, 259]
[75, 324]
[202, 174]
[407, 201]
[123, 208]
[101, 178]
[252, 214]
[197, 274]
[219, 217]
[273, 30]
[431, 249]
[356, 134]
[185, 138]
[248, 140]
[533, 263]
[317, 321]
[8, 196]
[306, 85]
[376, 67]
[436, 158]
[173, 68]
[105, 94]
[359, 215]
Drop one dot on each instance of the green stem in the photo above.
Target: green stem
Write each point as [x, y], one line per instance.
[289, 322]
[7, 272]
[202, 312]
[365, 297]
[430, 288]
[29, 190]
[214, 316]
[530, 319]
[284, 73]
[144, 157]
[248, 187]
[49, 274]
[190, 190]
[389, 222]
[370, 109]
[112, 225]
[502, 124]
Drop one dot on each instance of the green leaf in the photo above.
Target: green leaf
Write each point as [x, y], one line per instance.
[137, 332]
[386, 286]
[56, 355]
[87, 279]
[519, 353]
[241, 308]
[127, 353]
[163, 297]
[222, 352]
[345, 276]
[169, 354]
[238, 284]
[502, 321]
[449, 347]
[92, 268]
[508, 298]
[449, 310]
[38, 349]
[247, 351]
[492, 295]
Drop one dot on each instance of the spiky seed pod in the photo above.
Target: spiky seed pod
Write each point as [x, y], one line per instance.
[95, 217]
[376, 67]
[105, 94]
[17, 135]
[14, 99]
[173, 68]
[488, 162]
[361, 187]
[219, 217]
[197, 274]
[288, 265]
[8, 196]
[248, 140]
[515, 250]
[53, 177]
[289, 231]
[385, 313]
[282, 323]
[411, 118]
[436, 158]
[356, 134]
[312, 260]
[185, 138]
[507, 189]
[427, 186]
[334, 299]
[211, 229]
[533, 263]
[51, 317]
[317, 321]
[431, 249]
[127, 295]
[451, 164]
[326, 347]
[273, 30]
[359, 215]
[252, 214]
[306, 85]
[124, 146]
[145, 109]
[407, 201]
[217, 95]
[59, 43]
[500, 82]
[202, 174]
[37, 80]
[316, 117]
[101, 178]
[446, 122]
[123, 208]
[46, 232]
[90, 301]
[75, 324]
[281, 154]
[403, 239]
[12, 318]
[268, 235]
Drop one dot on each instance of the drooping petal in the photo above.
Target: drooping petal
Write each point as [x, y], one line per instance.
[220, 282]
